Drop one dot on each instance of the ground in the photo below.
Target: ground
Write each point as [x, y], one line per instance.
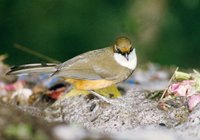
[30, 109]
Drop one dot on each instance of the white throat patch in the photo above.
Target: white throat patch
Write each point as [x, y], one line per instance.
[130, 63]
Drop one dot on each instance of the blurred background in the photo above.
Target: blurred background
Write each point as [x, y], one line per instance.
[163, 31]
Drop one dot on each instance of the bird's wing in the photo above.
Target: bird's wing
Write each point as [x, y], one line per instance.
[108, 70]
[78, 67]
[91, 66]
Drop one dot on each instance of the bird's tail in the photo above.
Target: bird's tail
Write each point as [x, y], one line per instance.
[33, 68]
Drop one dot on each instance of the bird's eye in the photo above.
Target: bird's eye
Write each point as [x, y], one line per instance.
[117, 50]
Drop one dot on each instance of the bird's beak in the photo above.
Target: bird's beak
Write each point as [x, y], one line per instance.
[126, 56]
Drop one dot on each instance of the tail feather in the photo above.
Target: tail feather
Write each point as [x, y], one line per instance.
[33, 68]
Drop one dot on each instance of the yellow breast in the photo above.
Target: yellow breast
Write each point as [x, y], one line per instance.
[90, 84]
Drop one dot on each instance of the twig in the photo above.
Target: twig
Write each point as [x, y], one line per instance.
[22, 48]
[168, 84]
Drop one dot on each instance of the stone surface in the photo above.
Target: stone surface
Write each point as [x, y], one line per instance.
[130, 111]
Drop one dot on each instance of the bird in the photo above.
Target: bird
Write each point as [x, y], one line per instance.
[92, 70]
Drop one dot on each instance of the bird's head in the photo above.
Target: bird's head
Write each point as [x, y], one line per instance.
[123, 47]
[124, 52]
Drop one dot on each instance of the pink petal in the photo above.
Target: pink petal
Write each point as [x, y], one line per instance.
[193, 101]
[174, 87]
[184, 88]
[188, 82]
[181, 91]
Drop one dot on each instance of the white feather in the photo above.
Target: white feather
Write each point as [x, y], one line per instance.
[130, 63]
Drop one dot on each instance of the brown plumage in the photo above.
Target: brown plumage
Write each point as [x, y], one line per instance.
[91, 70]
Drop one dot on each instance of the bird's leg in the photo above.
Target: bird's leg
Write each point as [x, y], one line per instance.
[100, 96]
[110, 101]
